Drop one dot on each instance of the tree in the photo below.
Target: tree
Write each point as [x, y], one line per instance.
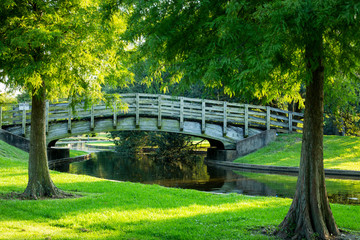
[56, 49]
[267, 49]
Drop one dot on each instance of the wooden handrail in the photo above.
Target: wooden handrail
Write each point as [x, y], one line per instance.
[164, 106]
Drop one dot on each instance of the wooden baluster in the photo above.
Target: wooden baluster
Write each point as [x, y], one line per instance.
[159, 112]
[137, 117]
[225, 119]
[1, 117]
[268, 118]
[24, 120]
[203, 117]
[181, 113]
[92, 118]
[69, 117]
[290, 121]
[246, 120]
[115, 117]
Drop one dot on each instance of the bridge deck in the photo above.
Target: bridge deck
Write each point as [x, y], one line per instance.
[161, 107]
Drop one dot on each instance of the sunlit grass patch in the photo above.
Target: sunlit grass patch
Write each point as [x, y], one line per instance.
[340, 152]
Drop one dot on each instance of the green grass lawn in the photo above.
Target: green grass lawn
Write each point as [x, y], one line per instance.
[76, 153]
[339, 152]
[98, 143]
[123, 210]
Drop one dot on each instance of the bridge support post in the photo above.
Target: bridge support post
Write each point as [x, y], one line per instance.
[203, 110]
[69, 118]
[268, 118]
[181, 114]
[290, 122]
[0, 117]
[137, 114]
[159, 112]
[115, 117]
[24, 122]
[92, 120]
[225, 120]
[246, 120]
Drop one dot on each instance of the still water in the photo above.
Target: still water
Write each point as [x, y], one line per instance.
[145, 169]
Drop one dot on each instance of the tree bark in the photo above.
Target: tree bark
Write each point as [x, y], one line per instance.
[310, 215]
[40, 183]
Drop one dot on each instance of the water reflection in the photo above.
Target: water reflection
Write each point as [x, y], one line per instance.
[143, 168]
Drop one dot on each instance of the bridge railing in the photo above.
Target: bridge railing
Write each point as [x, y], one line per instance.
[164, 106]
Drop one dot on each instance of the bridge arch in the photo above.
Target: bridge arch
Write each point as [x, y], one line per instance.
[222, 123]
[213, 132]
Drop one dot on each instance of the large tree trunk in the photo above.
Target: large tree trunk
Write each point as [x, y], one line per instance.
[40, 183]
[310, 215]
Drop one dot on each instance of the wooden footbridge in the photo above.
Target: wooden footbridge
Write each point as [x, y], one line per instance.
[222, 123]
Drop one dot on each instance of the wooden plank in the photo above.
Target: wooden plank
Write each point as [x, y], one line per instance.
[225, 119]
[137, 110]
[268, 118]
[298, 114]
[279, 110]
[159, 112]
[203, 117]
[256, 107]
[246, 120]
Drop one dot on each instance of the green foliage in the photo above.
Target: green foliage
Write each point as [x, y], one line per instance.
[247, 48]
[64, 46]
[342, 110]
[5, 98]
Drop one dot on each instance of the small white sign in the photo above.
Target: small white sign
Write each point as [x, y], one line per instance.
[24, 106]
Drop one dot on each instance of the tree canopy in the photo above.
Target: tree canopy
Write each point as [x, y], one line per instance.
[63, 45]
[268, 49]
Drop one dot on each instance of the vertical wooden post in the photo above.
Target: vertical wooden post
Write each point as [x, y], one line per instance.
[203, 110]
[0, 117]
[115, 117]
[47, 117]
[24, 121]
[69, 117]
[290, 121]
[137, 120]
[92, 118]
[181, 113]
[159, 112]
[246, 120]
[267, 118]
[225, 119]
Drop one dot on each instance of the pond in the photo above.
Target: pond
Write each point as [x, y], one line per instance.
[145, 169]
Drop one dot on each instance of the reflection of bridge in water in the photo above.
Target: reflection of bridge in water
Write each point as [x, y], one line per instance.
[223, 124]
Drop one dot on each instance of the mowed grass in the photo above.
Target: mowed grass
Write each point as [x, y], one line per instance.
[123, 210]
[340, 152]
[76, 153]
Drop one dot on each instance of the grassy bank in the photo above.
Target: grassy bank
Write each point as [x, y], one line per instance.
[339, 152]
[76, 153]
[123, 210]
